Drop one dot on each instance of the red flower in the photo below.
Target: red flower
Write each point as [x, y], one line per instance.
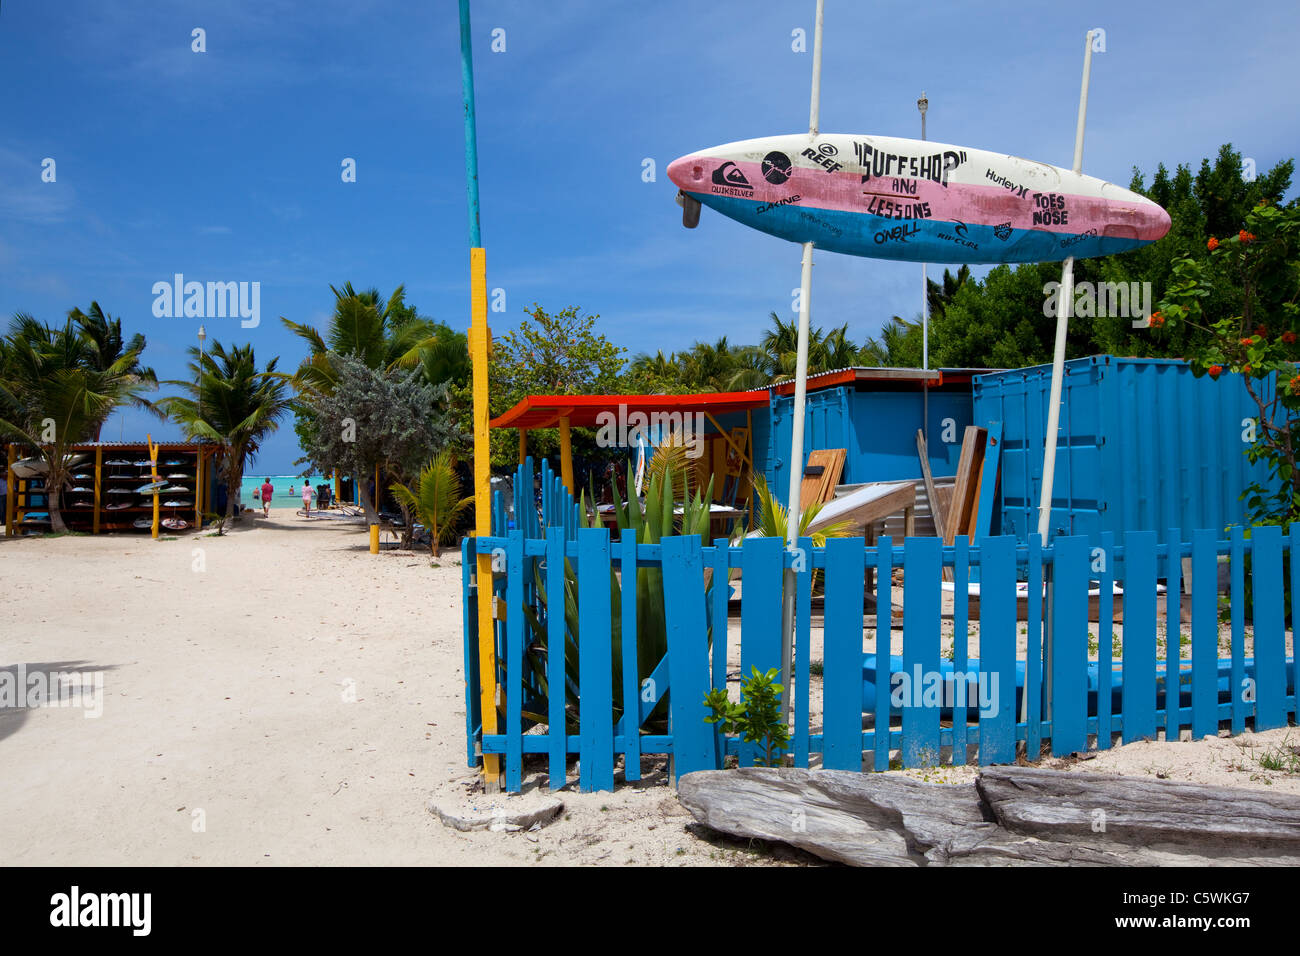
[1215, 371]
[1156, 320]
[1246, 369]
[1262, 332]
[1295, 385]
[1212, 244]
[1249, 341]
[1288, 337]
[1245, 236]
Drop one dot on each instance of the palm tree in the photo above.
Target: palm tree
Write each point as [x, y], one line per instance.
[435, 499]
[54, 394]
[103, 336]
[240, 407]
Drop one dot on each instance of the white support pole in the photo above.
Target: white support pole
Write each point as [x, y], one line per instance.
[792, 512]
[1065, 297]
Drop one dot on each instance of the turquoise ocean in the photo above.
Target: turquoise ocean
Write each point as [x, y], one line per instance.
[281, 483]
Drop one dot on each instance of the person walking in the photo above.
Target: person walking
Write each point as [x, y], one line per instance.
[307, 492]
[267, 492]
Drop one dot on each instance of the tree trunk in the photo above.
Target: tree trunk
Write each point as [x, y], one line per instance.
[372, 514]
[57, 525]
[233, 480]
[408, 531]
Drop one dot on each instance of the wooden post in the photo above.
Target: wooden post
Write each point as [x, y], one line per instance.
[157, 510]
[338, 486]
[198, 488]
[99, 469]
[379, 495]
[523, 446]
[11, 496]
[566, 454]
[479, 338]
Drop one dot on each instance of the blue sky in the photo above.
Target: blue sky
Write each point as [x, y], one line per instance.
[226, 165]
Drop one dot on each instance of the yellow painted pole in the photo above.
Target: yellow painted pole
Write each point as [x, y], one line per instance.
[374, 539]
[198, 489]
[338, 487]
[12, 496]
[157, 511]
[523, 446]
[99, 468]
[566, 454]
[479, 338]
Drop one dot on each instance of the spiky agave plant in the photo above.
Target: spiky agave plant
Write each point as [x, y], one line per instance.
[651, 522]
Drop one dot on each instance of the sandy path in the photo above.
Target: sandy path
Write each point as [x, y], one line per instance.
[225, 691]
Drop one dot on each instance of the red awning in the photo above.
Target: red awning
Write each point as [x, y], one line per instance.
[545, 411]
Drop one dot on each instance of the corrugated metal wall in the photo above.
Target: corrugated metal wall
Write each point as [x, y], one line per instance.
[1144, 445]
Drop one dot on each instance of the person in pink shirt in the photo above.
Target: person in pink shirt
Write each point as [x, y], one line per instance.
[307, 492]
[267, 492]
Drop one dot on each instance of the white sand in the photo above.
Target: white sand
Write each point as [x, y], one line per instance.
[228, 673]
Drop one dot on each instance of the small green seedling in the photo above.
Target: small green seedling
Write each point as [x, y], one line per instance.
[757, 718]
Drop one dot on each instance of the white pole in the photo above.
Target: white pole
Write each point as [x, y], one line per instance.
[923, 104]
[792, 511]
[1064, 299]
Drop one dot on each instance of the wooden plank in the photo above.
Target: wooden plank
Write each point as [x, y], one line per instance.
[1069, 634]
[556, 631]
[1237, 603]
[986, 501]
[965, 487]
[1105, 638]
[628, 646]
[514, 668]
[688, 656]
[922, 603]
[595, 662]
[821, 487]
[871, 503]
[997, 724]
[931, 495]
[842, 655]
[1270, 636]
[1139, 696]
[1205, 634]
[763, 568]
[802, 652]
[884, 633]
[960, 573]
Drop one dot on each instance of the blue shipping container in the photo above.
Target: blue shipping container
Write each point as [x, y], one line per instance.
[1143, 445]
[876, 425]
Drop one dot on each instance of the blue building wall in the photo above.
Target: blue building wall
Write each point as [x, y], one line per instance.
[1143, 445]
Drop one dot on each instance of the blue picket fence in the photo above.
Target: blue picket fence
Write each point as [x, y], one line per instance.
[1063, 685]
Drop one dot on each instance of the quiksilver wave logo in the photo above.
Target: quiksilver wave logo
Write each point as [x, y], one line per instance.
[74, 908]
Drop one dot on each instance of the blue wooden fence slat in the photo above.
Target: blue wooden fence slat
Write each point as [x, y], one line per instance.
[997, 724]
[595, 662]
[1237, 602]
[884, 647]
[802, 652]
[469, 614]
[922, 601]
[1105, 638]
[631, 679]
[1033, 700]
[842, 655]
[514, 667]
[1173, 638]
[721, 564]
[1139, 695]
[1293, 550]
[760, 613]
[1205, 634]
[964, 692]
[688, 654]
[1069, 635]
[556, 630]
[1270, 639]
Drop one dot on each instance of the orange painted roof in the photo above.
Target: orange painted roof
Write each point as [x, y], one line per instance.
[545, 411]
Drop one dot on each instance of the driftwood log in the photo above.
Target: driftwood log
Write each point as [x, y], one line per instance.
[1008, 816]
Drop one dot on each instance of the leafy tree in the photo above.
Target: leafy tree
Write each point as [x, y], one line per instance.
[54, 394]
[386, 417]
[102, 335]
[434, 497]
[1260, 341]
[230, 401]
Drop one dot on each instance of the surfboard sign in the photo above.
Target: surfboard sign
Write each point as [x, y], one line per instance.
[916, 201]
